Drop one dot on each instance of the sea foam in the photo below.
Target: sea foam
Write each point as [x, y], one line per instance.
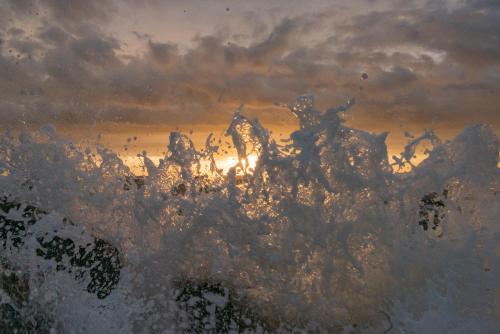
[321, 235]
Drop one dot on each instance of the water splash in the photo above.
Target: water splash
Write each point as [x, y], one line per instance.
[321, 235]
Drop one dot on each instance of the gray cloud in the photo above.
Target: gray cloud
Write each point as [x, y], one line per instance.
[468, 34]
[163, 53]
[425, 63]
[79, 10]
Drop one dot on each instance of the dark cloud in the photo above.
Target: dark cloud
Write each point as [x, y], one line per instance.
[53, 35]
[163, 53]
[21, 7]
[469, 34]
[425, 64]
[66, 13]
[15, 32]
[96, 50]
[65, 10]
[396, 76]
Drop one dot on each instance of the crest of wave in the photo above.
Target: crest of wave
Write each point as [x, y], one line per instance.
[321, 235]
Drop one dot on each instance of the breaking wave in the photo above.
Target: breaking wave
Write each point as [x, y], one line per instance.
[322, 235]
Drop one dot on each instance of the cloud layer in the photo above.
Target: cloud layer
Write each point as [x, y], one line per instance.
[427, 63]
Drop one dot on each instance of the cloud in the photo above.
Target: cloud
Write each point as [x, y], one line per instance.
[468, 34]
[163, 53]
[426, 63]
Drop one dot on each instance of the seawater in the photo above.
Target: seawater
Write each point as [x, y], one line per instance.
[322, 235]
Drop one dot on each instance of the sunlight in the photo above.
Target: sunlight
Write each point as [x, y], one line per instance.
[224, 162]
[227, 162]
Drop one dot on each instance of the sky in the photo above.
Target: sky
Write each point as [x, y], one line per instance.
[135, 68]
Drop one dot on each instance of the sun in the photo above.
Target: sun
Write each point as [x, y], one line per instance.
[227, 162]
[224, 163]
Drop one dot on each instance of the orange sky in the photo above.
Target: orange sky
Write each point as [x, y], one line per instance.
[130, 139]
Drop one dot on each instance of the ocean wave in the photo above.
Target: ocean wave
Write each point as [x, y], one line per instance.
[320, 235]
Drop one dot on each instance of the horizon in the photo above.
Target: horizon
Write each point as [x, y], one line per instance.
[125, 68]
